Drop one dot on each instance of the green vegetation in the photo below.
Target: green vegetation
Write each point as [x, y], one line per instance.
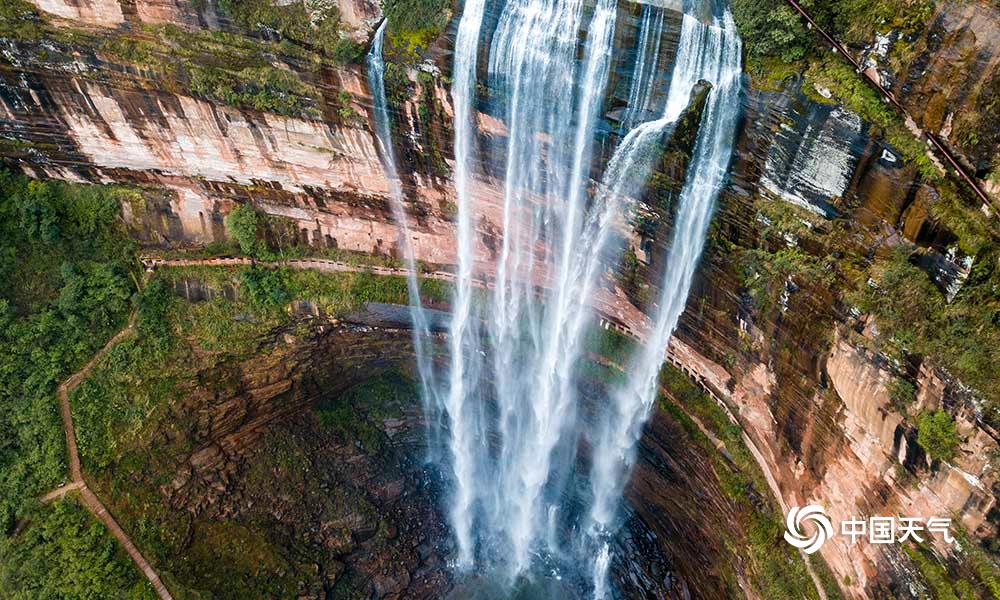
[435, 124]
[265, 88]
[915, 319]
[414, 24]
[315, 24]
[936, 577]
[66, 554]
[244, 225]
[19, 20]
[855, 21]
[398, 87]
[69, 272]
[973, 229]
[334, 293]
[773, 34]
[631, 276]
[766, 272]
[902, 393]
[356, 414]
[777, 40]
[981, 567]
[936, 435]
[223, 67]
[785, 230]
[610, 344]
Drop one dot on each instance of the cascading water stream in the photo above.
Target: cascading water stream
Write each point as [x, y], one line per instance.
[513, 435]
[463, 332]
[383, 133]
[543, 208]
[710, 53]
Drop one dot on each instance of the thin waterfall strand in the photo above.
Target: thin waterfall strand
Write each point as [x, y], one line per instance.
[646, 67]
[383, 133]
[462, 331]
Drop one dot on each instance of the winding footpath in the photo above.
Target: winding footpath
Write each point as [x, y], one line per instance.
[77, 482]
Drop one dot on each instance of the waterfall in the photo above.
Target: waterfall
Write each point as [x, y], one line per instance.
[710, 53]
[383, 133]
[551, 102]
[646, 68]
[511, 397]
[543, 208]
[464, 335]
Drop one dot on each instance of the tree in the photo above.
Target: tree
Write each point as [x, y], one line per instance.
[936, 435]
[243, 222]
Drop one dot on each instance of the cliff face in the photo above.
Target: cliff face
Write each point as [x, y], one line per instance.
[808, 373]
[287, 472]
[815, 190]
[75, 110]
[946, 75]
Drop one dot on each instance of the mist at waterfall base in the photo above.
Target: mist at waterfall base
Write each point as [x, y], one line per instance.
[535, 478]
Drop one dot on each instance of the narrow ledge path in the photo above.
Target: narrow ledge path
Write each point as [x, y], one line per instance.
[77, 482]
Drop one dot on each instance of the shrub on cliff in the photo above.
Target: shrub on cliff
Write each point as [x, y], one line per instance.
[414, 24]
[937, 436]
[243, 223]
[772, 33]
[902, 393]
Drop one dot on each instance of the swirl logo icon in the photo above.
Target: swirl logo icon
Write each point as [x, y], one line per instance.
[793, 528]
